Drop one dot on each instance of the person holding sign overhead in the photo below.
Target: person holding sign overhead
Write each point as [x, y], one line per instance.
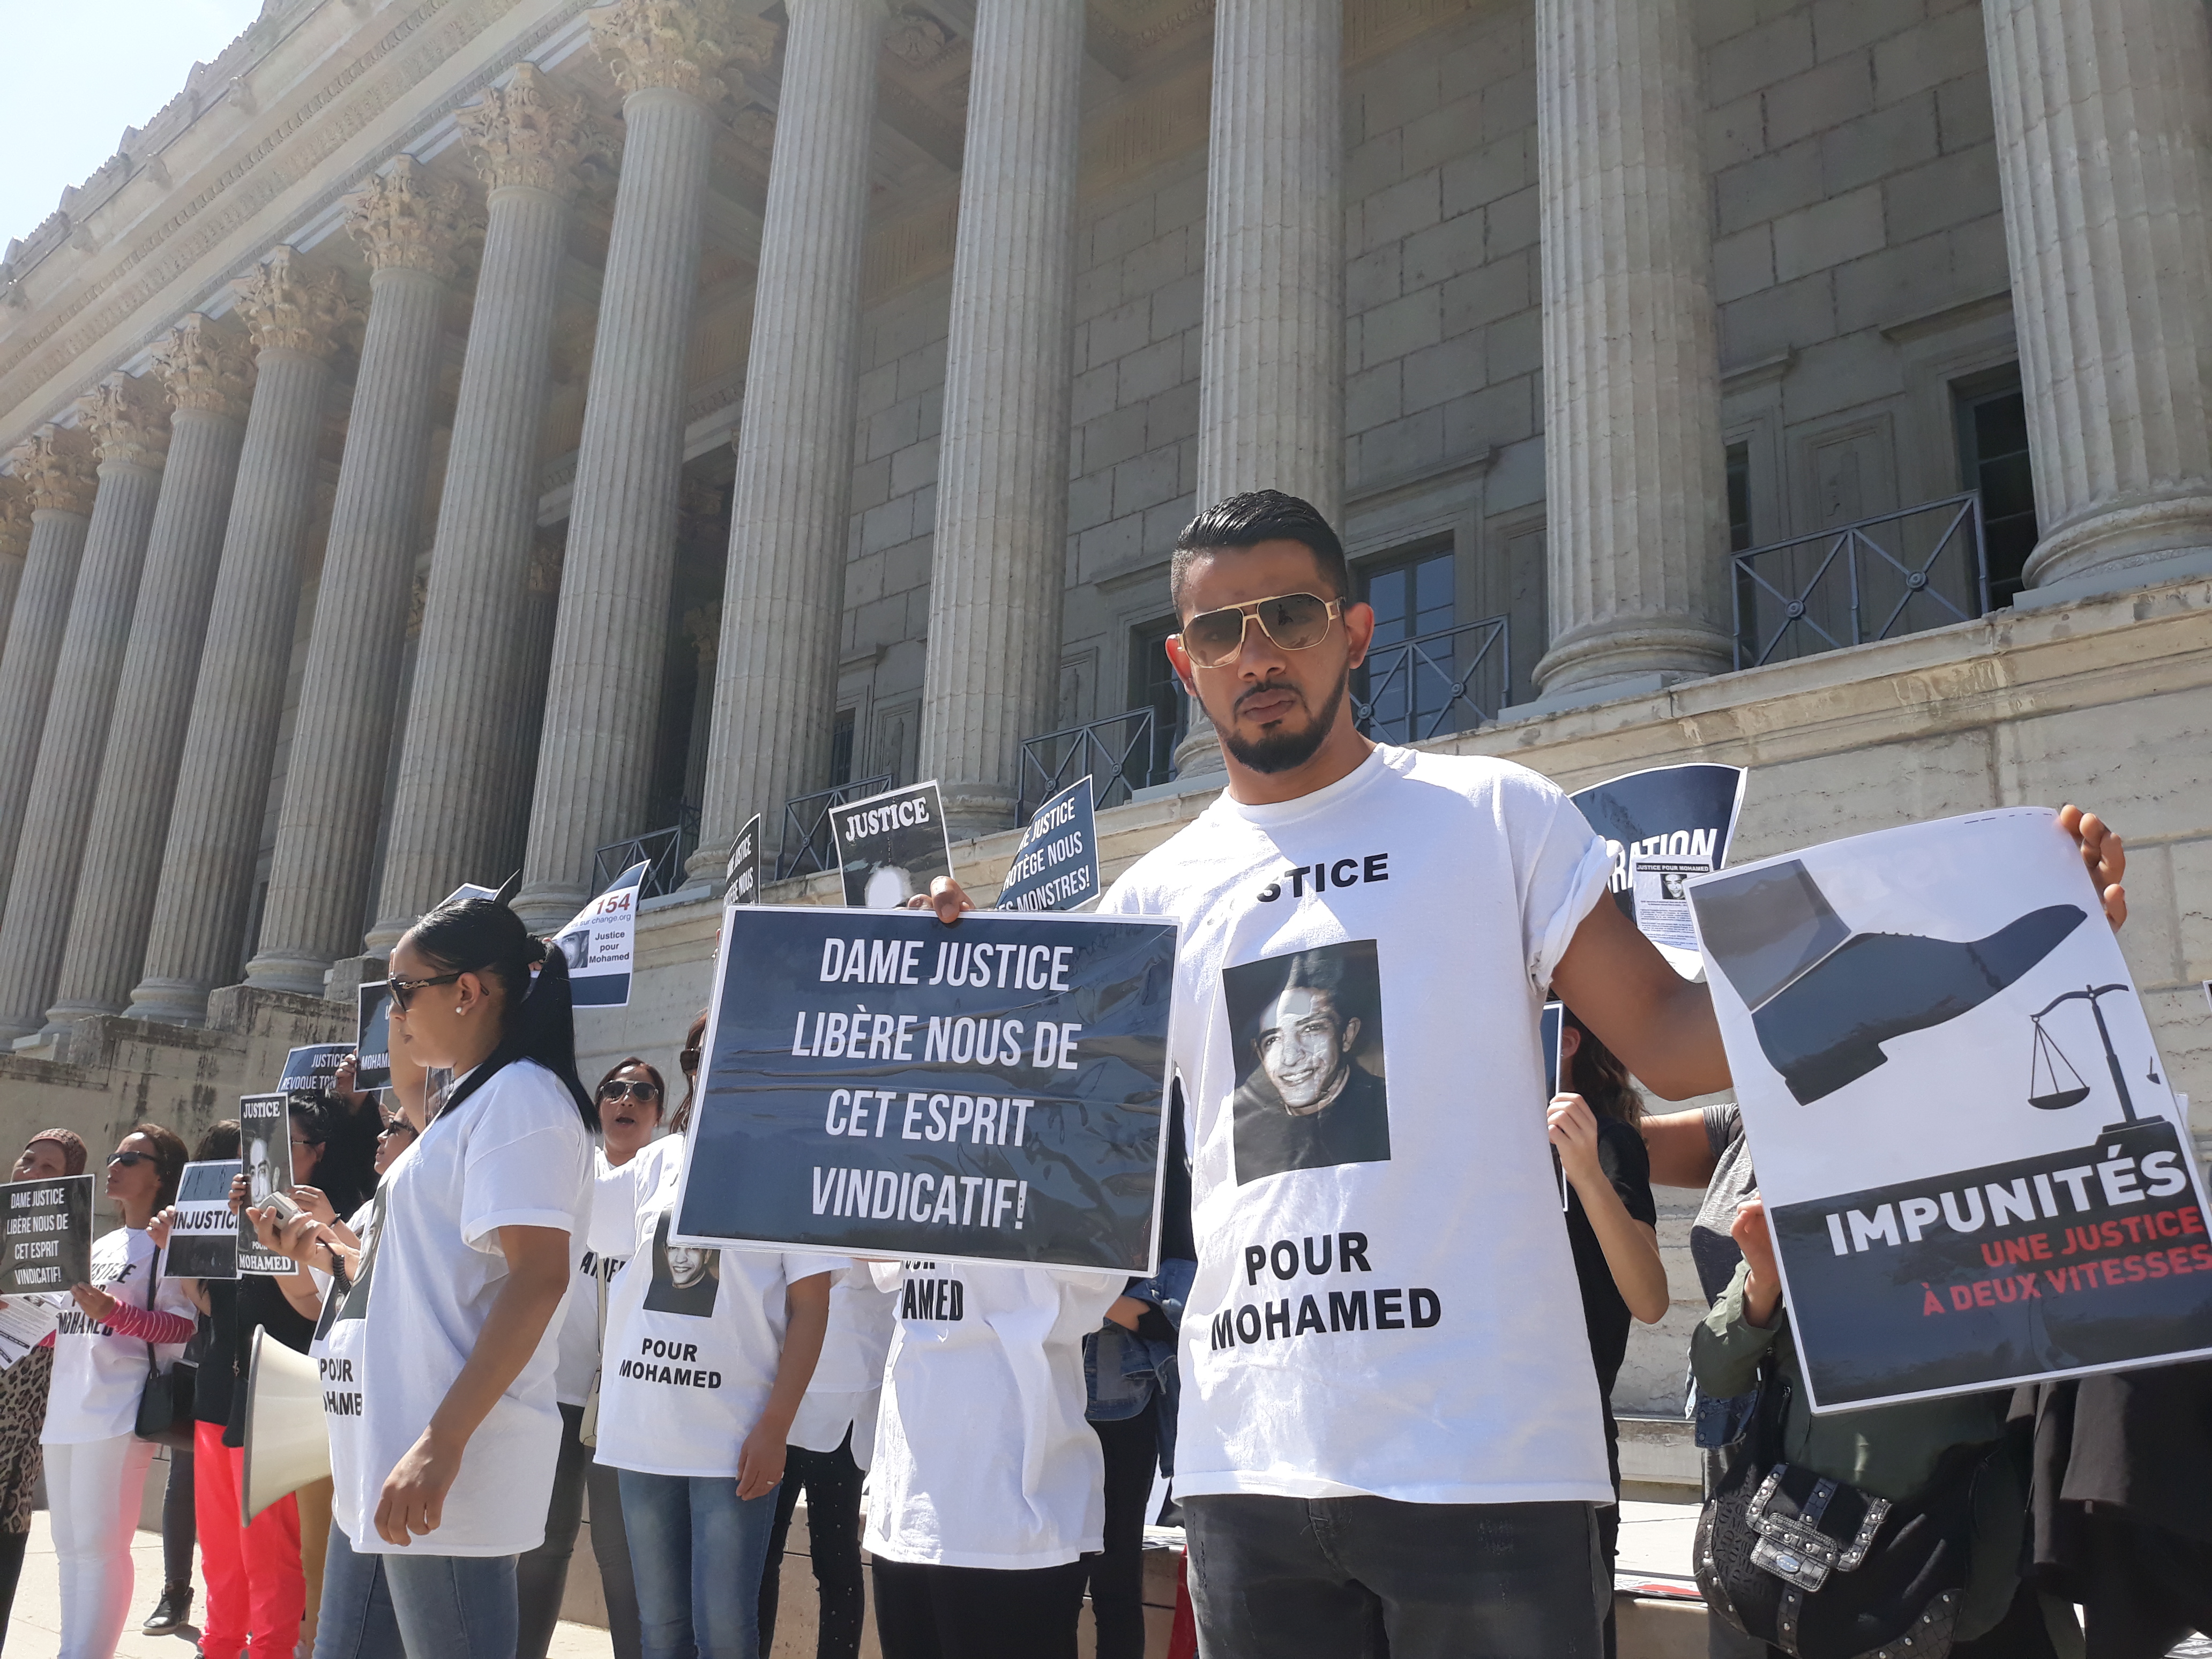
[96, 1465]
[47, 1156]
[438, 1385]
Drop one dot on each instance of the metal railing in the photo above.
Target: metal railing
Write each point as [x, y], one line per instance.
[808, 846]
[663, 851]
[1895, 573]
[1452, 680]
[1117, 751]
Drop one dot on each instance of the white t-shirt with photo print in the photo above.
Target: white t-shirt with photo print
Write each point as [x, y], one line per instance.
[983, 1458]
[514, 1154]
[98, 1373]
[694, 1339]
[1385, 1298]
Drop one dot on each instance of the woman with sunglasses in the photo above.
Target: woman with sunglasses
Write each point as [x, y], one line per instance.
[96, 1465]
[631, 1098]
[439, 1387]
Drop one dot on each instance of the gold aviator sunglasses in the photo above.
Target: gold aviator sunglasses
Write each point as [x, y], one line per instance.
[1295, 622]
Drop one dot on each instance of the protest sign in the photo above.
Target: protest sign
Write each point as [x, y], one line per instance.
[875, 1081]
[741, 876]
[1554, 1073]
[203, 1238]
[1974, 1169]
[469, 890]
[265, 1140]
[374, 1043]
[892, 846]
[313, 1070]
[1664, 827]
[601, 944]
[1055, 866]
[49, 1235]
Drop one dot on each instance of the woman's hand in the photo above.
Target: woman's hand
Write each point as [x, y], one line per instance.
[760, 1460]
[1573, 1129]
[414, 1499]
[1762, 1290]
[312, 1201]
[297, 1239]
[158, 1229]
[1126, 1311]
[238, 1193]
[98, 1306]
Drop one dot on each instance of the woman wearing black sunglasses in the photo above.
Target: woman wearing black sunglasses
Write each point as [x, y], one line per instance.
[96, 1465]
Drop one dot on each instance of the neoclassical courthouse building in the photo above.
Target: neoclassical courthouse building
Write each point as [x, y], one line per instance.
[462, 435]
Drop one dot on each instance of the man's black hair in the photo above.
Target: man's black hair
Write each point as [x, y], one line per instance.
[1261, 515]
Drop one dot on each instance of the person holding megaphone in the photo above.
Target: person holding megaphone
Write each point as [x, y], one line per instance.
[438, 1381]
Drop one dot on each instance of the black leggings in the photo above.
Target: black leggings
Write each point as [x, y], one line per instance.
[976, 1613]
[180, 1520]
[831, 1481]
[542, 1575]
[1117, 1576]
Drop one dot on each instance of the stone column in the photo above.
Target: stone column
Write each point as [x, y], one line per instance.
[14, 543]
[702, 630]
[610, 643]
[408, 224]
[208, 371]
[58, 467]
[998, 573]
[530, 142]
[297, 319]
[1271, 390]
[1634, 470]
[129, 421]
[2103, 119]
[541, 608]
[783, 599]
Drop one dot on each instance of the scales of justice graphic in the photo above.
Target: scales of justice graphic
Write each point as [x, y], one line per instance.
[2047, 1060]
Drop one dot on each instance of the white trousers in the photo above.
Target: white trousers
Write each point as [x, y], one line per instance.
[95, 1487]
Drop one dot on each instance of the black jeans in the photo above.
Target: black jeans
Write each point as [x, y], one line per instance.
[180, 1520]
[1375, 1578]
[1117, 1577]
[975, 1613]
[541, 1576]
[831, 1481]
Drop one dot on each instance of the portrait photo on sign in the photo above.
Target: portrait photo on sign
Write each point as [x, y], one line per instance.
[686, 1278]
[892, 846]
[1308, 1031]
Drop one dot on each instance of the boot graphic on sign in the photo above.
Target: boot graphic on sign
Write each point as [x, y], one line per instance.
[1824, 999]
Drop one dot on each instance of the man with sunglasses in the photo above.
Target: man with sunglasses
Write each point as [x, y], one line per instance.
[1391, 1435]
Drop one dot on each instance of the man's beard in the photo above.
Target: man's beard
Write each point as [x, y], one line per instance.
[1285, 751]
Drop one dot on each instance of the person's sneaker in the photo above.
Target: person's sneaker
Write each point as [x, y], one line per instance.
[171, 1613]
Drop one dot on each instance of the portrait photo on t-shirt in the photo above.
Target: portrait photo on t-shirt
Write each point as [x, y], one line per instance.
[352, 1302]
[685, 1277]
[1308, 1030]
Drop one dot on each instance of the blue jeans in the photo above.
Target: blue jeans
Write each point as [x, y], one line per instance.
[696, 1550]
[414, 1607]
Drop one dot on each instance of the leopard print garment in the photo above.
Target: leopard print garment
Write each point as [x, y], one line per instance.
[22, 1415]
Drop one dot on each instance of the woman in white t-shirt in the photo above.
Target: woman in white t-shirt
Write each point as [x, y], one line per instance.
[631, 1099]
[987, 1487]
[96, 1465]
[437, 1366]
[708, 1355]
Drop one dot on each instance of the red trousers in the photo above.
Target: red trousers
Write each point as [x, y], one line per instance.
[254, 1583]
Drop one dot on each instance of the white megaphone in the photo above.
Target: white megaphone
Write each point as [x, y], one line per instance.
[288, 1445]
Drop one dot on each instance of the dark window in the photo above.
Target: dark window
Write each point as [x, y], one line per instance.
[1153, 685]
[1408, 691]
[1739, 497]
[1993, 456]
[840, 749]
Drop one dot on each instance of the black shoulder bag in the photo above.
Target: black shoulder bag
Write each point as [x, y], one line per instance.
[1823, 1570]
[165, 1404]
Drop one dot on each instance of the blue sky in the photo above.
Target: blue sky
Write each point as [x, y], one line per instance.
[76, 72]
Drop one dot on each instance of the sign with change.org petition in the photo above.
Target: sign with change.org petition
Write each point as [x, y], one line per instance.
[892, 846]
[49, 1235]
[1056, 867]
[1973, 1166]
[601, 944]
[1664, 827]
[203, 1238]
[265, 1145]
[878, 1083]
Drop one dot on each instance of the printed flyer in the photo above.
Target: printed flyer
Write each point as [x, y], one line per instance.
[265, 1141]
[741, 876]
[204, 1239]
[1056, 867]
[1665, 827]
[601, 944]
[49, 1235]
[892, 846]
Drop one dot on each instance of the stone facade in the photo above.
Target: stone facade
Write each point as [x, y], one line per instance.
[1591, 294]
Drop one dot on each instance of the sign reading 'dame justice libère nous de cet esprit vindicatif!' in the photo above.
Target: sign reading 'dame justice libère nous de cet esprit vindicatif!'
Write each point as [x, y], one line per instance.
[877, 1082]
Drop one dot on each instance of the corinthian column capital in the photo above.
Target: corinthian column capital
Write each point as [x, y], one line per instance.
[128, 419]
[532, 132]
[288, 307]
[205, 367]
[405, 220]
[677, 44]
[59, 465]
[14, 518]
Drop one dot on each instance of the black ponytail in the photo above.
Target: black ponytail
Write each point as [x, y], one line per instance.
[483, 936]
